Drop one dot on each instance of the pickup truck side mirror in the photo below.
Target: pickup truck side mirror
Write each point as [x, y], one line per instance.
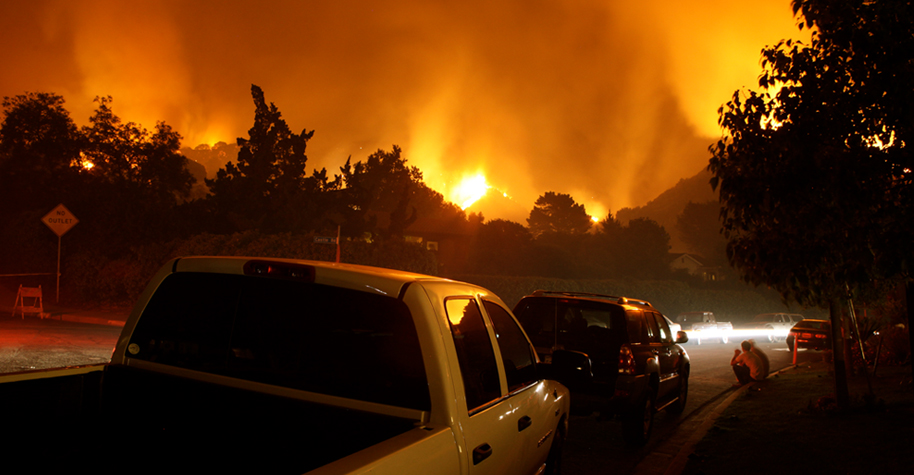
[571, 368]
[682, 337]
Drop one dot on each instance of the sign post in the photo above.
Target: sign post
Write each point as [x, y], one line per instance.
[60, 220]
[330, 240]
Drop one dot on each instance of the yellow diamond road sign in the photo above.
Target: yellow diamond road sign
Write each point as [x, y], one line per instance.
[60, 220]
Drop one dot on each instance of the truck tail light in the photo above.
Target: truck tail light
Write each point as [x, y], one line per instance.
[626, 360]
[280, 270]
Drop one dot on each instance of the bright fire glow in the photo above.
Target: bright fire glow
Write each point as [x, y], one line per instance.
[84, 162]
[594, 208]
[470, 190]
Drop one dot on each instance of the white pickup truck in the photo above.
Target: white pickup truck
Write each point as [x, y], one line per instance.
[285, 366]
[703, 326]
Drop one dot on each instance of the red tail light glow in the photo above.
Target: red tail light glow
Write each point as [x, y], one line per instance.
[280, 270]
[626, 360]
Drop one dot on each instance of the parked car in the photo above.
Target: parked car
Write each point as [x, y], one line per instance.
[635, 364]
[703, 326]
[810, 334]
[774, 326]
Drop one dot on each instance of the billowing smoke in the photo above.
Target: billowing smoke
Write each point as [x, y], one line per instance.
[612, 102]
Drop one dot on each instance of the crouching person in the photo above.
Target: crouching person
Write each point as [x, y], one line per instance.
[746, 365]
[766, 364]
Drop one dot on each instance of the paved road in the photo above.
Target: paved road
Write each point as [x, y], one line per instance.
[596, 447]
[32, 343]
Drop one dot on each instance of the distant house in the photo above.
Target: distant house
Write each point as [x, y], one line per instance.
[694, 266]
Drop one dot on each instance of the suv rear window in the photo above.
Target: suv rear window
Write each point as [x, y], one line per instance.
[286, 333]
[574, 319]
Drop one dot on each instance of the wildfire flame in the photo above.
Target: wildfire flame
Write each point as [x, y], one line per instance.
[470, 190]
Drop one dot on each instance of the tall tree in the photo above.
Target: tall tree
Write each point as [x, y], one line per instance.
[557, 213]
[133, 181]
[260, 189]
[382, 187]
[39, 151]
[814, 176]
[129, 156]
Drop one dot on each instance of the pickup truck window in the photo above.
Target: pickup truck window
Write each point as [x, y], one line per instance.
[520, 365]
[286, 333]
[474, 352]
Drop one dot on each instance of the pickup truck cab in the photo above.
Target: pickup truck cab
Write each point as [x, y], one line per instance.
[286, 366]
[703, 326]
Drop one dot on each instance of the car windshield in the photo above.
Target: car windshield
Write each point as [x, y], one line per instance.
[293, 334]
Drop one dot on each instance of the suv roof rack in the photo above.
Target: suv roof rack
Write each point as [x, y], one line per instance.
[619, 300]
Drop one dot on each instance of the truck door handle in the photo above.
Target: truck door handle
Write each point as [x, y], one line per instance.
[523, 423]
[481, 453]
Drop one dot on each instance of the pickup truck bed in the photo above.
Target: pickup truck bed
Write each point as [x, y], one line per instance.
[146, 421]
[238, 364]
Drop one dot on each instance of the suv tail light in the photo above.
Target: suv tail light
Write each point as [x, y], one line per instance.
[626, 360]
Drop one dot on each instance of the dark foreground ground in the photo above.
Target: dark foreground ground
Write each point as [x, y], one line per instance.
[789, 424]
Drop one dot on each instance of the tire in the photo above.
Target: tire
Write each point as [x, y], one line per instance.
[679, 406]
[638, 424]
[554, 459]
[724, 340]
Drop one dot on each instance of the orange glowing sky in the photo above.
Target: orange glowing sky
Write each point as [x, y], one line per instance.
[612, 102]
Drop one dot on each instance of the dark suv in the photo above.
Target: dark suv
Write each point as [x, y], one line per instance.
[632, 366]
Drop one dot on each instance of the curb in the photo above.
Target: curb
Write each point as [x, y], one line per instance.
[78, 316]
[89, 319]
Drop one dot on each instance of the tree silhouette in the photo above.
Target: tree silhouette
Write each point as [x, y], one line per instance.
[130, 157]
[811, 202]
[557, 213]
[503, 248]
[262, 188]
[132, 182]
[39, 151]
[646, 249]
[815, 178]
